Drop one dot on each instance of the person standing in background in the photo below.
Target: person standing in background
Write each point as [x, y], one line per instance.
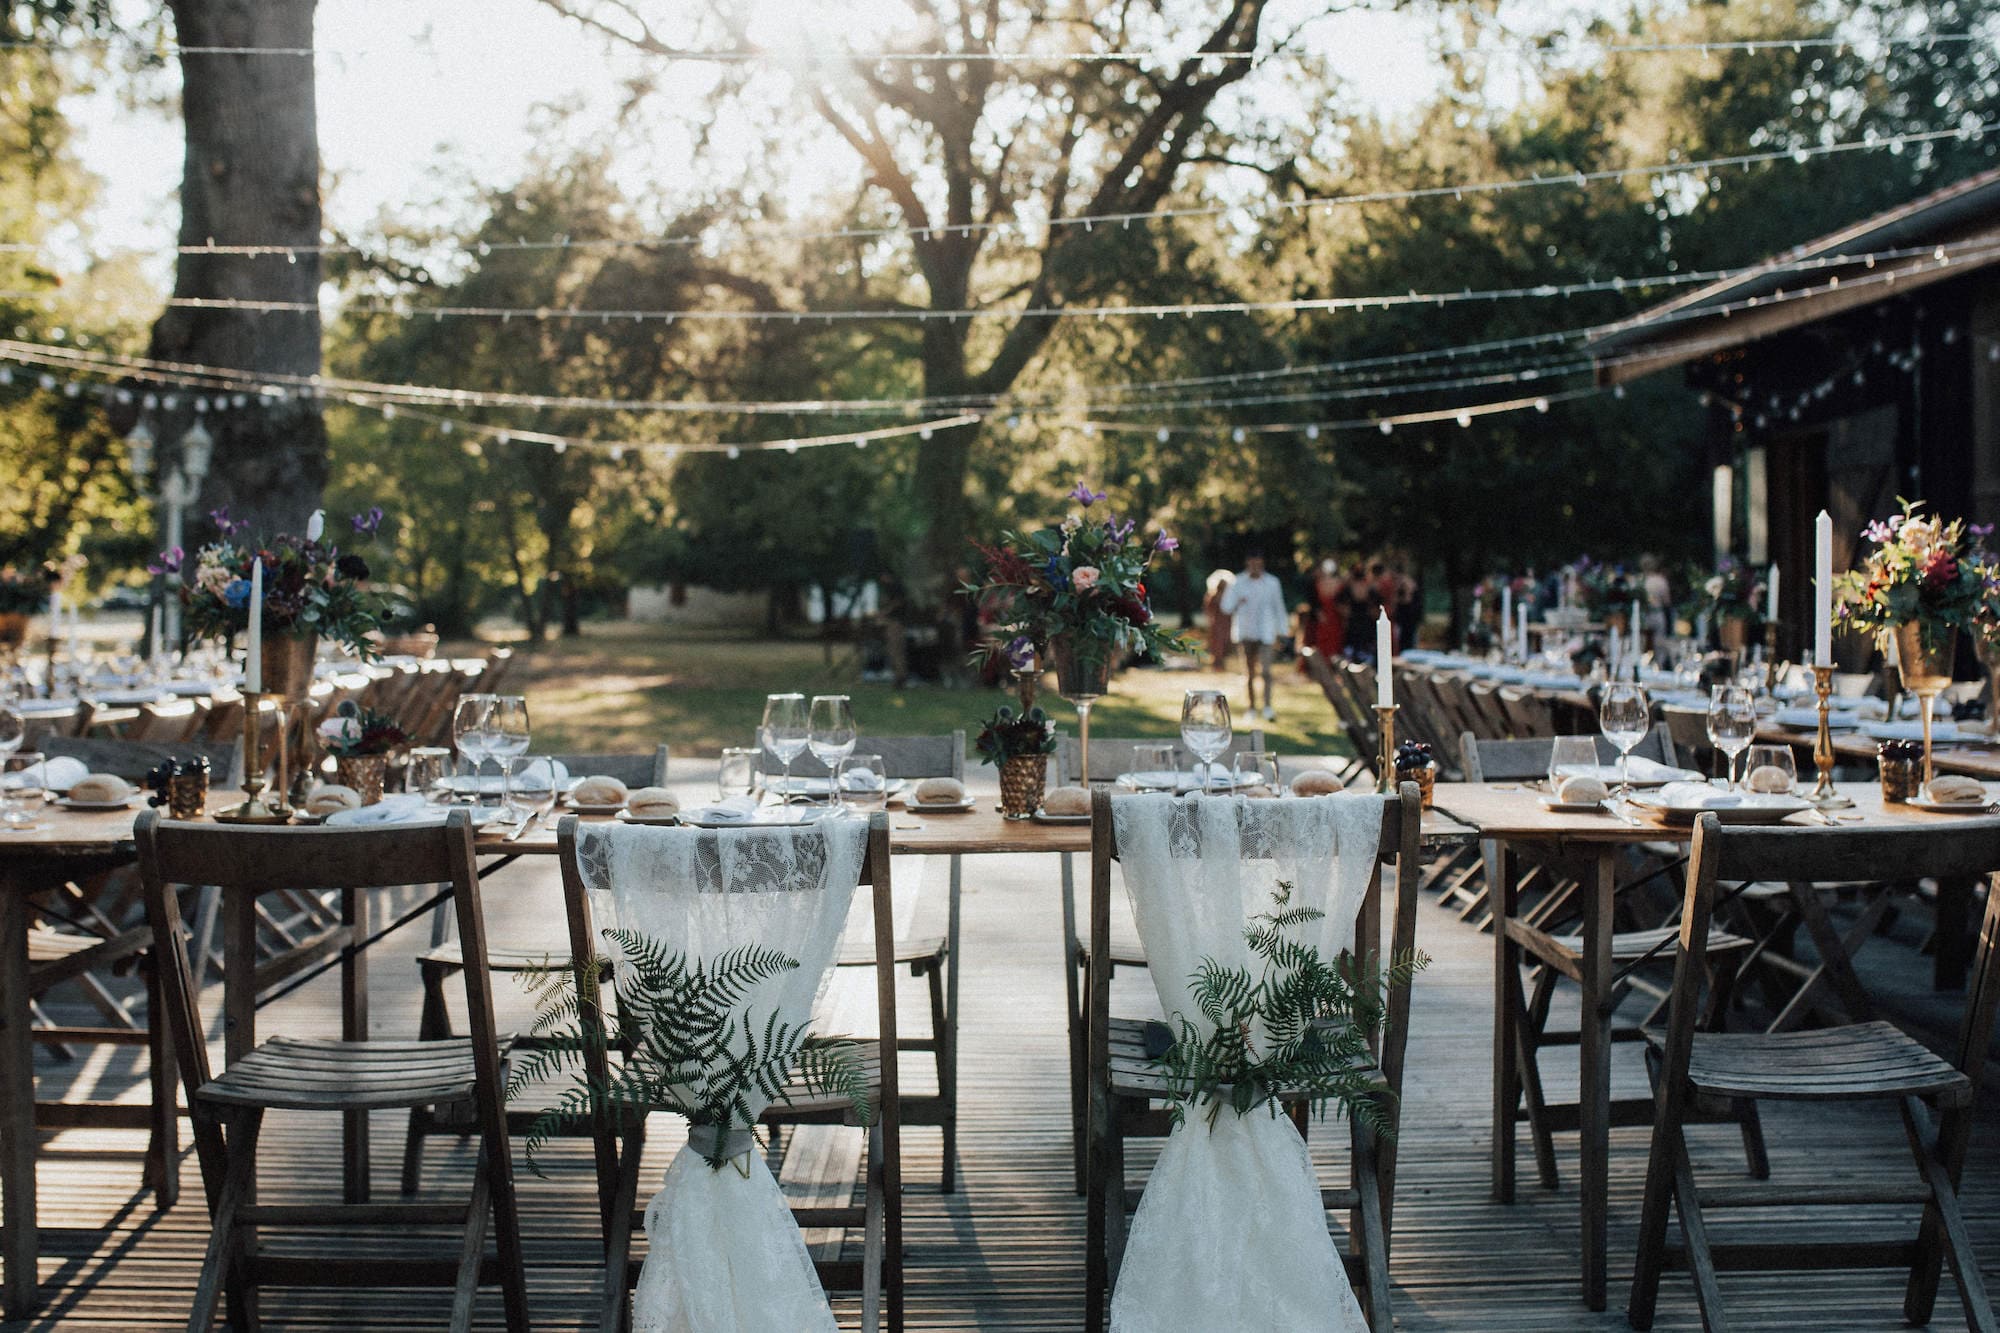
[1215, 618]
[1255, 605]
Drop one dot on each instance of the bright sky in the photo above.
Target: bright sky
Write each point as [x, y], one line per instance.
[414, 94]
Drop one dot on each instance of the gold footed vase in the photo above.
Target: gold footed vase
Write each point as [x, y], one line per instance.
[288, 678]
[1924, 657]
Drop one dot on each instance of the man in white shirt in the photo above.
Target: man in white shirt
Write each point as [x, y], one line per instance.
[1256, 607]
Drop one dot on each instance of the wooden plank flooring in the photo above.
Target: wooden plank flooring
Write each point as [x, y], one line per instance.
[1005, 1253]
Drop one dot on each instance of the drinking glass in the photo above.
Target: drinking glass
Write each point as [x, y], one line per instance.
[530, 787]
[1156, 766]
[1624, 715]
[738, 774]
[1732, 723]
[1256, 773]
[1765, 761]
[469, 732]
[22, 775]
[506, 729]
[784, 732]
[1570, 755]
[862, 777]
[830, 734]
[13, 729]
[1205, 728]
[425, 772]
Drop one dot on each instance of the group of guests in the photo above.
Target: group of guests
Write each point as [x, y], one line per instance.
[1336, 619]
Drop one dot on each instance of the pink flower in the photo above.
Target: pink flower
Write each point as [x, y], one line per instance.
[1085, 577]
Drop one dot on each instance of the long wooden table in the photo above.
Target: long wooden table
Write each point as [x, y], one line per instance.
[1514, 824]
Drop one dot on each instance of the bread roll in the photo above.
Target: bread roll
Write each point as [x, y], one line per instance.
[598, 791]
[100, 789]
[1316, 782]
[1955, 789]
[331, 798]
[938, 791]
[1066, 801]
[653, 803]
[1581, 789]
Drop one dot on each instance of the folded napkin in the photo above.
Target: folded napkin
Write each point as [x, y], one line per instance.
[58, 774]
[45, 707]
[1652, 771]
[1908, 731]
[1940, 707]
[404, 808]
[735, 810]
[861, 779]
[1697, 796]
[1807, 719]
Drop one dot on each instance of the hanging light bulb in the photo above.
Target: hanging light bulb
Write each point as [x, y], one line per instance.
[139, 451]
[197, 451]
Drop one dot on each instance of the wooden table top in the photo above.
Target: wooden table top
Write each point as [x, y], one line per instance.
[1980, 759]
[1512, 811]
[979, 831]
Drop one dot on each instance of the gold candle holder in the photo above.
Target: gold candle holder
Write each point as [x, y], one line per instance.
[1823, 794]
[254, 810]
[1385, 777]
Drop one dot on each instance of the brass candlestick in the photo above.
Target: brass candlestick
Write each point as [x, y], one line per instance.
[254, 810]
[1823, 794]
[1385, 778]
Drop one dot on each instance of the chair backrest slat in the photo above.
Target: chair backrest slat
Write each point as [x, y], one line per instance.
[634, 770]
[939, 756]
[132, 760]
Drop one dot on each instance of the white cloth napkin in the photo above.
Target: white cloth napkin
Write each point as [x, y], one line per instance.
[1908, 731]
[406, 808]
[1697, 796]
[735, 810]
[58, 774]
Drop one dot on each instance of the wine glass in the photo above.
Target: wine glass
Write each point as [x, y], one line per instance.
[469, 732]
[784, 732]
[506, 729]
[1732, 723]
[23, 775]
[1624, 715]
[1205, 728]
[830, 733]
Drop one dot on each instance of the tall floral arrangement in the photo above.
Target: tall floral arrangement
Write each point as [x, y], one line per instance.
[1082, 580]
[1923, 571]
[311, 586]
[1732, 592]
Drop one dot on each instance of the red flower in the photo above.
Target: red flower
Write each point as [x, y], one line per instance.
[1940, 570]
[1134, 609]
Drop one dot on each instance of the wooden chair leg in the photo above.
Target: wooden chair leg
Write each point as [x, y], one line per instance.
[221, 1269]
[871, 1243]
[616, 1312]
[1722, 976]
[163, 1151]
[1658, 1197]
[1374, 1231]
[1529, 1021]
[433, 1024]
[1941, 1159]
[471, 1246]
[1752, 1126]
[1079, 1077]
[1694, 1231]
[942, 1037]
[1096, 1211]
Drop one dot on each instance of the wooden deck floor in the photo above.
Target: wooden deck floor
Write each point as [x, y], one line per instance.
[1005, 1253]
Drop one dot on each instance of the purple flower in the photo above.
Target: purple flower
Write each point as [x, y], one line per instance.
[1084, 496]
[1878, 532]
[1166, 543]
[368, 522]
[1980, 529]
[1020, 652]
[1118, 529]
[170, 561]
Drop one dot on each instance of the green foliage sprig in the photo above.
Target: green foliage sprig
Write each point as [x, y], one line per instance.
[1301, 1029]
[677, 1043]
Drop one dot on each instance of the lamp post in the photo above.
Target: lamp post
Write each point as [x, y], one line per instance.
[178, 488]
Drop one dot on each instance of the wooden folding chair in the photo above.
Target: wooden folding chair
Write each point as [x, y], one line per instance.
[878, 1275]
[1861, 1062]
[349, 1077]
[445, 959]
[1125, 1086]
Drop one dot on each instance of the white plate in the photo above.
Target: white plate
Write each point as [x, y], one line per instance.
[1645, 773]
[81, 806]
[616, 807]
[1042, 817]
[941, 807]
[1762, 810]
[1224, 779]
[650, 821]
[482, 815]
[1929, 806]
[770, 816]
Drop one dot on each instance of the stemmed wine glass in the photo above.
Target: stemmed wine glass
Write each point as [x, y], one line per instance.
[1732, 724]
[469, 732]
[831, 735]
[506, 729]
[784, 732]
[1205, 728]
[1624, 715]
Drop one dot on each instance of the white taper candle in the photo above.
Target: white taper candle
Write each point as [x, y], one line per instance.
[1385, 690]
[253, 664]
[1823, 589]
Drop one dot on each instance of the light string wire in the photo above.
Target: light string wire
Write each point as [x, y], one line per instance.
[1561, 47]
[1104, 398]
[1088, 221]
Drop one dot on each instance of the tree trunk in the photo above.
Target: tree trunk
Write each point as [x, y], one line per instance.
[251, 177]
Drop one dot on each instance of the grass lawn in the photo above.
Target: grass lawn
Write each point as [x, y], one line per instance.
[623, 687]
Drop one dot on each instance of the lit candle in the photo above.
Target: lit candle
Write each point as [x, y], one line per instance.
[316, 525]
[1521, 635]
[1638, 630]
[1617, 650]
[154, 638]
[1771, 593]
[1385, 690]
[1823, 590]
[253, 664]
[1506, 605]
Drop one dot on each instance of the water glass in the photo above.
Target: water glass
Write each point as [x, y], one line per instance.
[13, 729]
[1256, 774]
[862, 781]
[22, 796]
[738, 774]
[424, 774]
[1732, 723]
[530, 787]
[1205, 728]
[1156, 766]
[1772, 770]
[1568, 756]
